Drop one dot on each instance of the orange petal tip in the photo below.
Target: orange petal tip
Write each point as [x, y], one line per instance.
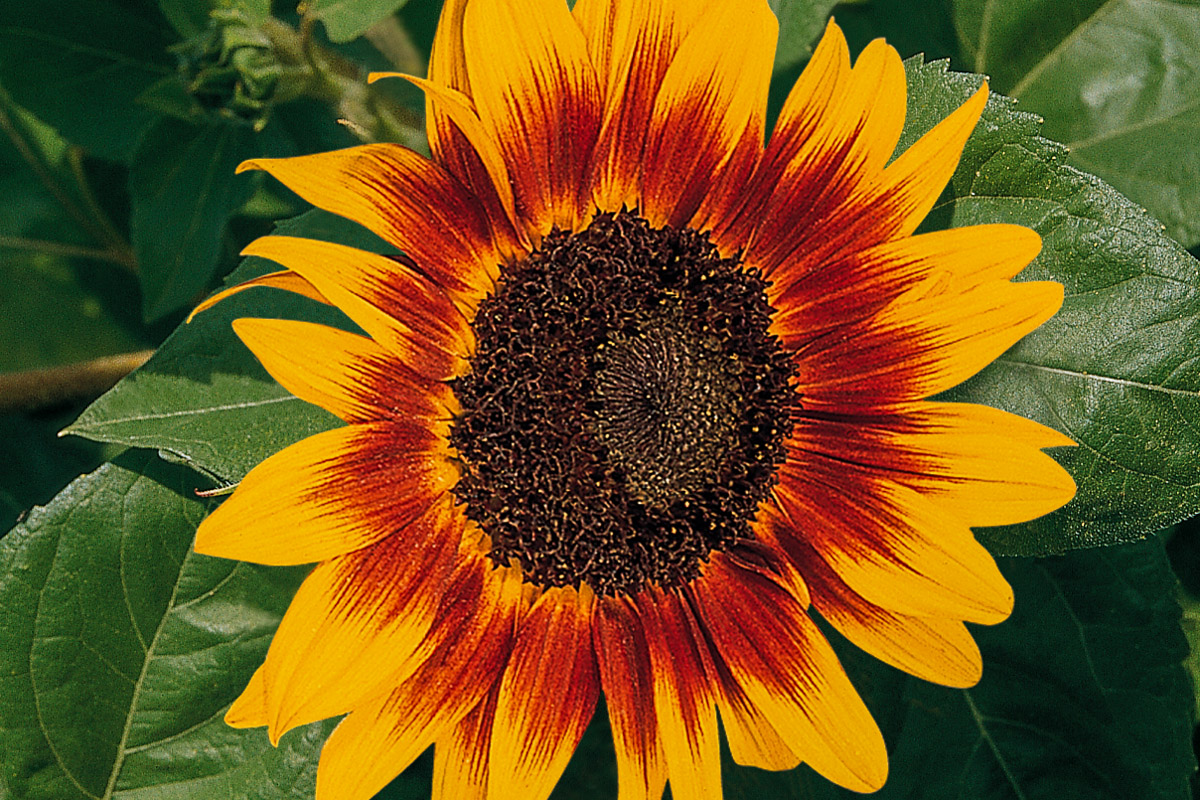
[247, 165]
[377, 76]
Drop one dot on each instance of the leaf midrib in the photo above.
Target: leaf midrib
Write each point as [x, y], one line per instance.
[1038, 68]
[1151, 122]
[109, 422]
[991, 743]
[1105, 378]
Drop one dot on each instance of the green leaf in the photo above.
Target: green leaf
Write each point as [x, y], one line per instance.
[1115, 80]
[800, 26]
[203, 399]
[60, 311]
[348, 19]
[1083, 691]
[57, 312]
[184, 190]
[35, 464]
[911, 26]
[1083, 696]
[122, 649]
[190, 17]
[81, 71]
[34, 167]
[1114, 368]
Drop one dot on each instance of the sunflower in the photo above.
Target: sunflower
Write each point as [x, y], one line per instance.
[642, 392]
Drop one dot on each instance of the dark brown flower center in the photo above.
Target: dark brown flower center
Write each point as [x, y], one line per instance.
[625, 410]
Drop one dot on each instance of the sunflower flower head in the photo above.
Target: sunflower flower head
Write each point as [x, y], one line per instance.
[645, 391]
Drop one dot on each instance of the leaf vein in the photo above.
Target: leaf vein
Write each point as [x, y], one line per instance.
[1047, 59]
[188, 412]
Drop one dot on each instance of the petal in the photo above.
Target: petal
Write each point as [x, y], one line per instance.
[914, 181]
[825, 217]
[753, 740]
[460, 760]
[344, 373]
[789, 672]
[923, 343]
[728, 185]
[931, 648]
[890, 544]
[332, 493]
[536, 93]
[394, 304]
[683, 696]
[473, 635]
[821, 156]
[983, 464]
[547, 696]
[447, 62]
[249, 710]
[627, 677]
[454, 111]
[461, 151]
[714, 90]
[813, 102]
[407, 200]
[860, 283]
[357, 619]
[632, 45]
[809, 106]
[284, 279]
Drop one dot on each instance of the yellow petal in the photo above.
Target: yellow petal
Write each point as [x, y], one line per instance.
[346, 374]
[458, 109]
[714, 90]
[380, 738]
[538, 98]
[546, 697]
[684, 699]
[983, 465]
[935, 649]
[407, 200]
[460, 759]
[357, 619]
[249, 710]
[329, 494]
[632, 44]
[925, 342]
[891, 545]
[284, 279]
[913, 182]
[392, 302]
[814, 299]
[626, 675]
[788, 671]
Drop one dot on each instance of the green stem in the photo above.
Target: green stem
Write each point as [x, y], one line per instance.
[341, 84]
[43, 388]
[117, 243]
[96, 223]
[122, 258]
[42, 172]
